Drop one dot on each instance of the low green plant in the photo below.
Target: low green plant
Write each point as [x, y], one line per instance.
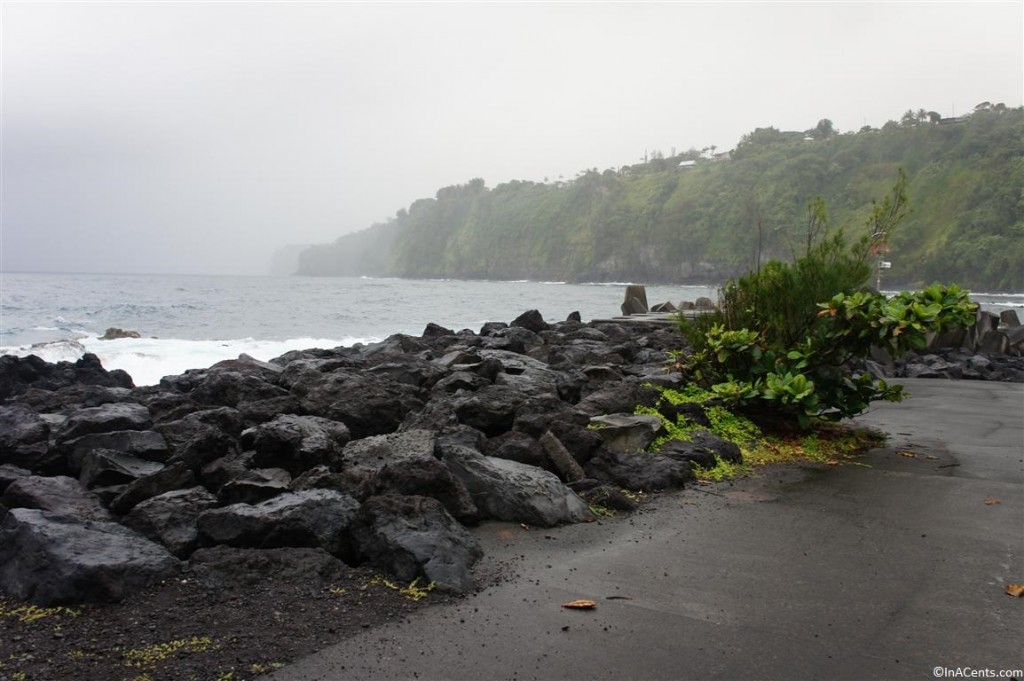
[413, 591]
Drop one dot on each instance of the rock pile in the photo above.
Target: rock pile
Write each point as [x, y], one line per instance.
[376, 454]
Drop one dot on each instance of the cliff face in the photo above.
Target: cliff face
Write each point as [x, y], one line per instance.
[673, 220]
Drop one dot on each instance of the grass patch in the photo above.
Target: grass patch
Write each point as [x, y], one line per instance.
[23, 612]
[150, 657]
[413, 592]
[825, 443]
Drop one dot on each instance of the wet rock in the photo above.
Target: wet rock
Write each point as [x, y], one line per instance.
[108, 467]
[627, 432]
[531, 320]
[170, 518]
[639, 471]
[426, 477]
[142, 444]
[295, 443]
[59, 495]
[24, 441]
[490, 410]
[318, 518]
[255, 486]
[410, 537]
[509, 490]
[703, 449]
[517, 446]
[50, 559]
[168, 478]
[104, 419]
[114, 333]
[368, 405]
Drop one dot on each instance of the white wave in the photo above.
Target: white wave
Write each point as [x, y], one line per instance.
[148, 360]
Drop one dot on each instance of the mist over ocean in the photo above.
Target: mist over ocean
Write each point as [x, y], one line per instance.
[189, 322]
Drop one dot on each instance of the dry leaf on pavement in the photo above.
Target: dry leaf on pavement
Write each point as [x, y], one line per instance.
[580, 605]
[1015, 590]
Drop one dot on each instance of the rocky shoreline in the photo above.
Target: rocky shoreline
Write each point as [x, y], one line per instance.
[328, 467]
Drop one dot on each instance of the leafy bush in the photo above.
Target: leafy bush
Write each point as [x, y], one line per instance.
[782, 340]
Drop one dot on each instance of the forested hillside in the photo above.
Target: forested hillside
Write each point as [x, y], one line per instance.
[698, 217]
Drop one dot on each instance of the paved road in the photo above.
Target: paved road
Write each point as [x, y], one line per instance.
[844, 573]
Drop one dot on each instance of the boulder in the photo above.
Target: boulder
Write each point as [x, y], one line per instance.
[109, 467]
[234, 384]
[635, 301]
[195, 443]
[170, 518]
[490, 410]
[367, 404]
[617, 398]
[50, 559]
[59, 495]
[19, 373]
[627, 432]
[362, 459]
[640, 471]
[415, 537]
[24, 441]
[172, 477]
[295, 443]
[608, 496]
[9, 473]
[319, 477]
[433, 330]
[703, 449]
[143, 444]
[531, 320]
[115, 333]
[425, 478]
[517, 446]
[509, 490]
[461, 381]
[104, 419]
[318, 518]
[255, 486]
[993, 342]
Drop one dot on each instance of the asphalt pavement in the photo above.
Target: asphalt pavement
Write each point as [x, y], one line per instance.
[892, 570]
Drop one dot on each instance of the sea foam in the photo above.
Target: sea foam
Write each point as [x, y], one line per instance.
[148, 360]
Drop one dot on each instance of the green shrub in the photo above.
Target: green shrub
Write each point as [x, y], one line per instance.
[780, 344]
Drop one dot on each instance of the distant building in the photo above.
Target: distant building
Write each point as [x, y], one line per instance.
[686, 164]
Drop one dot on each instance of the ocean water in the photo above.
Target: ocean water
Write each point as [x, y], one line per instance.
[188, 322]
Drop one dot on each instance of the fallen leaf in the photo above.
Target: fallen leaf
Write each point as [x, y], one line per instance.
[524, 526]
[580, 605]
[929, 456]
[909, 454]
[992, 502]
[1016, 590]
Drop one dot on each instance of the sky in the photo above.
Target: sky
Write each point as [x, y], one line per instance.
[200, 137]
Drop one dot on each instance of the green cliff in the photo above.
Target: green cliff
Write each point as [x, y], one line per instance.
[700, 218]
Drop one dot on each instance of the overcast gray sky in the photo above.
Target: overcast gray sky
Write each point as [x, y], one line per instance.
[198, 137]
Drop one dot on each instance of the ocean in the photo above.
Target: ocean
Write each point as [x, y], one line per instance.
[189, 322]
